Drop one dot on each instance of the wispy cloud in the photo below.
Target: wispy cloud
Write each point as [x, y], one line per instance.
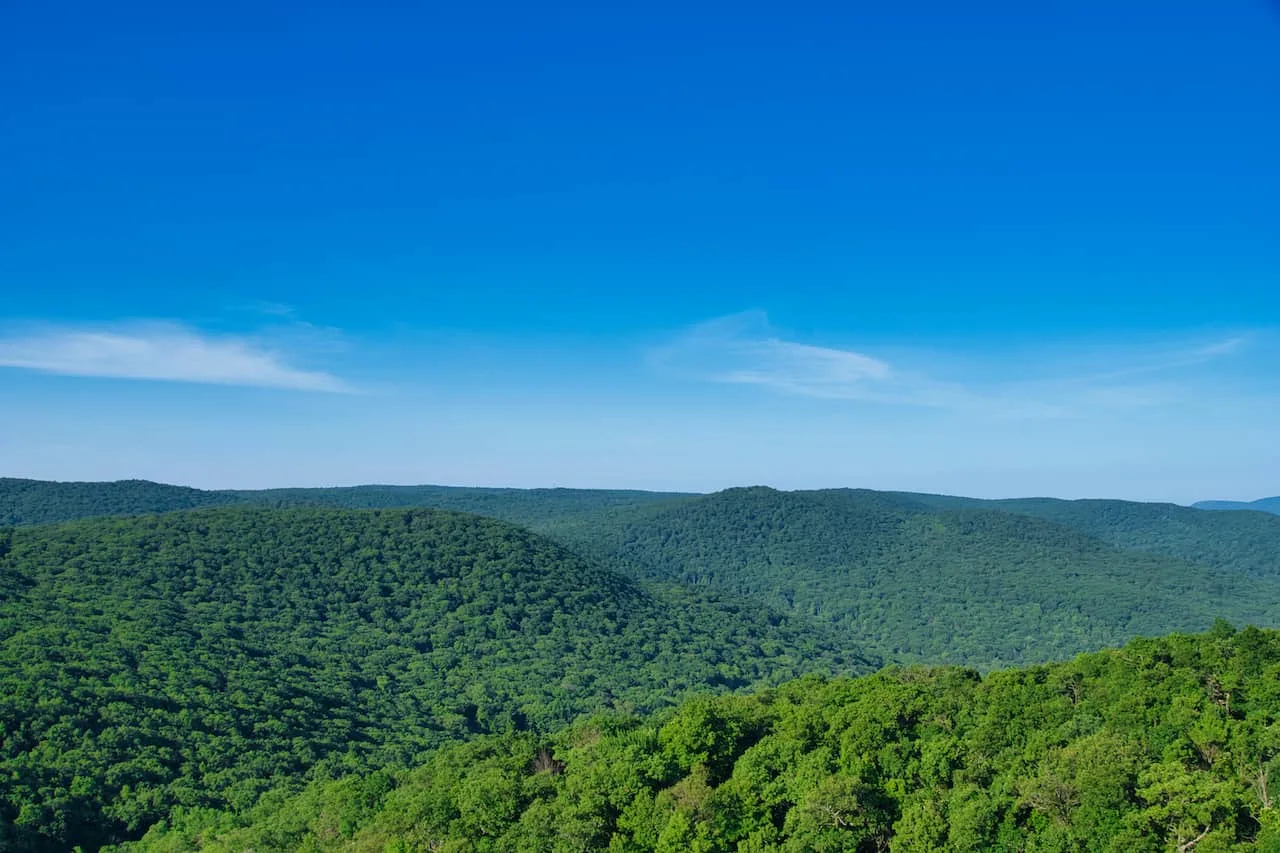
[1164, 359]
[160, 351]
[743, 349]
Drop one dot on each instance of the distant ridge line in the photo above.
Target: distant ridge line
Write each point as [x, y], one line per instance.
[1271, 505]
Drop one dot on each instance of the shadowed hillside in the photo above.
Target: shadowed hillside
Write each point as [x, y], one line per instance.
[919, 582]
[1271, 505]
[43, 502]
[916, 577]
[197, 657]
[1244, 542]
[26, 502]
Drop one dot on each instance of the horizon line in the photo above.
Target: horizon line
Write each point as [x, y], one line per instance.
[674, 492]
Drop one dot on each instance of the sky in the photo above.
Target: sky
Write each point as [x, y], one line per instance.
[991, 248]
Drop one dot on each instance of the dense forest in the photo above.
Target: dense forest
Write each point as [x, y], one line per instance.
[200, 657]
[1271, 505]
[917, 583]
[261, 672]
[24, 502]
[1248, 542]
[529, 507]
[1165, 745]
[42, 502]
[905, 577]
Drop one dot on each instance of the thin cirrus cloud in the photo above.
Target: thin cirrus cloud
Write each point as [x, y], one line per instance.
[743, 349]
[162, 352]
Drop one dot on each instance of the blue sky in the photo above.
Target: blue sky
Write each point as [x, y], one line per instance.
[994, 248]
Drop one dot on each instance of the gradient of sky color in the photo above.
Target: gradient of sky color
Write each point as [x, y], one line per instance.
[992, 248]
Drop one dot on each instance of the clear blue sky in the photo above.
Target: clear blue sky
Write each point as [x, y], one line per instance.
[994, 248]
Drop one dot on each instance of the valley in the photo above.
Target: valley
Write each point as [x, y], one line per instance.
[183, 669]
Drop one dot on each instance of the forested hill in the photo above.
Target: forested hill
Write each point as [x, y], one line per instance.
[197, 657]
[1271, 505]
[921, 583]
[25, 502]
[530, 507]
[1248, 542]
[1170, 744]
[45, 502]
[911, 577]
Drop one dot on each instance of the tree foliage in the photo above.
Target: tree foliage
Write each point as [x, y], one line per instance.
[924, 584]
[1245, 542]
[1138, 749]
[190, 671]
[198, 658]
[1271, 505]
[24, 502]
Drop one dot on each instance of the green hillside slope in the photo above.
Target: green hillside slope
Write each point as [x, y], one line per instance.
[531, 507]
[194, 658]
[43, 502]
[1165, 745]
[916, 577]
[918, 583]
[25, 502]
[1247, 542]
[1271, 505]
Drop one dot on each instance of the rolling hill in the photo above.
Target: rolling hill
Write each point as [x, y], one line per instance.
[154, 667]
[1248, 543]
[1271, 505]
[920, 582]
[1164, 745]
[26, 502]
[195, 658]
[913, 576]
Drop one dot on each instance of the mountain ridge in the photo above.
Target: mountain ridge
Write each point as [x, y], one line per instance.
[191, 658]
[1269, 505]
[1035, 578]
[919, 583]
[25, 501]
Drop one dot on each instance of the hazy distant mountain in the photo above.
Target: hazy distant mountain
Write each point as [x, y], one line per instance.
[44, 502]
[24, 502]
[1247, 542]
[1271, 505]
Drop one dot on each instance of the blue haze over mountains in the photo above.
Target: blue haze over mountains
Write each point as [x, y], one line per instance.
[1271, 505]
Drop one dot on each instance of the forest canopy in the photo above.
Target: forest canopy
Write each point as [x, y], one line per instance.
[198, 658]
[1168, 744]
[234, 674]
